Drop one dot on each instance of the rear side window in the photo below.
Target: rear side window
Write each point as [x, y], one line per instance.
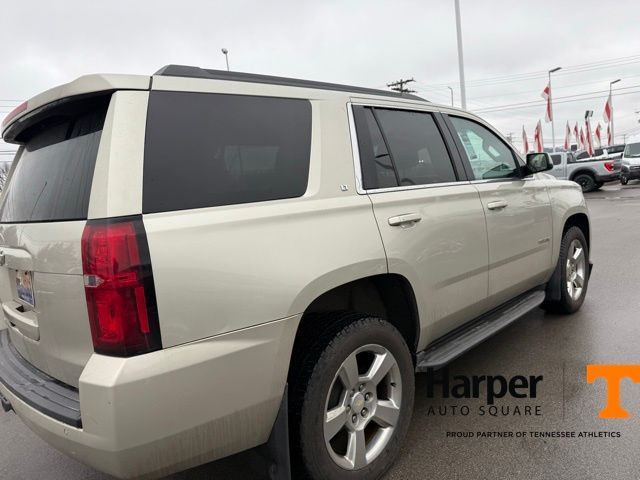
[206, 150]
[401, 147]
[557, 159]
[52, 177]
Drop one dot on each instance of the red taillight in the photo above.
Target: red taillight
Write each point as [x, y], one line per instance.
[14, 113]
[609, 166]
[119, 287]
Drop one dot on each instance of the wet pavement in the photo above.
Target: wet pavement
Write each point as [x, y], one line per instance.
[444, 443]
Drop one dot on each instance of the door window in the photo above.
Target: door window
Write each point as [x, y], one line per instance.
[489, 156]
[557, 159]
[401, 148]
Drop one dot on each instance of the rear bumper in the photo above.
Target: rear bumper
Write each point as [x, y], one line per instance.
[169, 410]
[611, 177]
[36, 388]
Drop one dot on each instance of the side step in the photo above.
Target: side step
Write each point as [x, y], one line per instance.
[454, 344]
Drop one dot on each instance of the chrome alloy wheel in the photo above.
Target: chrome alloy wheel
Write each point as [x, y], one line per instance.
[576, 269]
[362, 407]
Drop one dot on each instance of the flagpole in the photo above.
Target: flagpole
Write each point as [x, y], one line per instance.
[553, 128]
[613, 137]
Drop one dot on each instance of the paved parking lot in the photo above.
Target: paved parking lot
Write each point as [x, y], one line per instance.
[606, 330]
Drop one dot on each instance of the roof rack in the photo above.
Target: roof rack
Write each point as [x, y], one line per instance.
[197, 72]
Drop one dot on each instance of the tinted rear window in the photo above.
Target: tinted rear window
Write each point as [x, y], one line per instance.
[205, 150]
[53, 175]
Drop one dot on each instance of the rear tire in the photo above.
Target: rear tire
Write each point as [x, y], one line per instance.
[371, 419]
[586, 182]
[573, 272]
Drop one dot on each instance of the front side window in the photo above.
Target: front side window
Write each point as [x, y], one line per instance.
[401, 148]
[489, 156]
[209, 149]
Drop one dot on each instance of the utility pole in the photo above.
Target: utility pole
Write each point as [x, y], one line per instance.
[399, 86]
[463, 89]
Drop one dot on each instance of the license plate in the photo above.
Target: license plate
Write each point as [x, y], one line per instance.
[24, 287]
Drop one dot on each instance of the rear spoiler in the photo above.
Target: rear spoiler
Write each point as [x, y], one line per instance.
[82, 86]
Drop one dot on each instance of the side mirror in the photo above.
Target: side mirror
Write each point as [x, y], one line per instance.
[538, 162]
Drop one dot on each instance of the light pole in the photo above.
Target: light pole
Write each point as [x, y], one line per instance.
[463, 91]
[613, 135]
[451, 95]
[553, 129]
[226, 57]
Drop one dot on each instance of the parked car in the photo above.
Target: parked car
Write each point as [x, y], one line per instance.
[630, 163]
[189, 261]
[611, 152]
[590, 174]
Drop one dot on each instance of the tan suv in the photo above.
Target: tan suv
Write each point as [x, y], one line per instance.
[178, 251]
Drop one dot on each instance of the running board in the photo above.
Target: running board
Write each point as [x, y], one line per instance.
[454, 344]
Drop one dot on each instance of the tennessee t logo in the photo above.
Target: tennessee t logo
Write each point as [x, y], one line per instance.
[613, 375]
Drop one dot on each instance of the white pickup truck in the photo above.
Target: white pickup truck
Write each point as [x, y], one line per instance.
[590, 173]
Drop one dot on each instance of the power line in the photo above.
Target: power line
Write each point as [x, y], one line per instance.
[561, 87]
[536, 103]
[569, 70]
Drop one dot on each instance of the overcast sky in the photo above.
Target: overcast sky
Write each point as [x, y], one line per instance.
[366, 43]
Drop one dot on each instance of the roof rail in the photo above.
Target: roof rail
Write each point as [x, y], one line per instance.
[197, 72]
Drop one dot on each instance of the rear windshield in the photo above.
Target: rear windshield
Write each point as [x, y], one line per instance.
[206, 150]
[52, 177]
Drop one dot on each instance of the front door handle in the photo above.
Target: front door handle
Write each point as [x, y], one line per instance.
[404, 219]
[497, 205]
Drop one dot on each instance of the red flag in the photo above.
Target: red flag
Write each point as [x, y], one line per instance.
[583, 145]
[577, 135]
[525, 142]
[609, 139]
[567, 137]
[608, 110]
[537, 138]
[546, 94]
[598, 133]
[589, 137]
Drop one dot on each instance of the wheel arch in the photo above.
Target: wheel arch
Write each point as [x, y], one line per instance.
[388, 296]
[587, 171]
[580, 220]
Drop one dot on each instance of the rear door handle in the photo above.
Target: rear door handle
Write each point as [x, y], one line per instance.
[404, 219]
[497, 205]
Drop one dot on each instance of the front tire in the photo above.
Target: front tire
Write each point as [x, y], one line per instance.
[623, 179]
[573, 272]
[352, 401]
